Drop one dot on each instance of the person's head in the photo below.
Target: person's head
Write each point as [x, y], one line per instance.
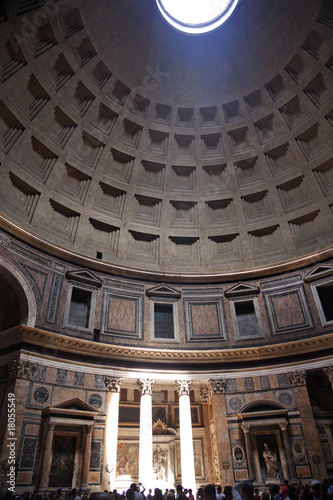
[273, 489]
[190, 491]
[247, 490]
[256, 491]
[228, 492]
[99, 495]
[179, 488]
[219, 489]
[210, 492]
[133, 487]
[265, 495]
[130, 493]
[158, 494]
[316, 488]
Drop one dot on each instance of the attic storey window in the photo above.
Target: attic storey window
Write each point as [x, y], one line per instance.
[81, 300]
[164, 313]
[196, 16]
[245, 311]
[80, 305]
[163, 321]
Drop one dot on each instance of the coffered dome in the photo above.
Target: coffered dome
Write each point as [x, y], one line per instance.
[132, 144]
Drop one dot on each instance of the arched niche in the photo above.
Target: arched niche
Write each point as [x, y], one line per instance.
[17, 300]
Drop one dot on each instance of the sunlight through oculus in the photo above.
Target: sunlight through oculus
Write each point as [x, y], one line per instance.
[196, 16]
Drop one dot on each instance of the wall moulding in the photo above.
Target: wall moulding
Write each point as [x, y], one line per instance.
[44, 342]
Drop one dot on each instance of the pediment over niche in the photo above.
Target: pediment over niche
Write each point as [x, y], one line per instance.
[84, 276]
[164, 290]
[242, 289]
[71, 408]
[319, 271]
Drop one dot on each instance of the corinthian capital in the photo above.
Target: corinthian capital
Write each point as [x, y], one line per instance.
[217, 385]
[183, 387]
[113, 383]
[205, 394]
[328, 370]
[21, 369]
[145, 386]
[297, 378]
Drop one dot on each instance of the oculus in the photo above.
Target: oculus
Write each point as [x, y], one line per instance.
[196, 16]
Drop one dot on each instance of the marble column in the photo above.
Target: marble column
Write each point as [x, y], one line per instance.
[289, 453]
[146, 432]
[111, 431]
[186, 436]
[221, 444]
[86, 452]
[310, 431]
[205, 399]
[249, 451]
[47, 456]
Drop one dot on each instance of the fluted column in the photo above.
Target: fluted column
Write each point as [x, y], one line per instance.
[146, 432]
[290, 458]
[186, 436]
[221, 444]
[111, 431]
[249, 451]
[86, 453]
[310, 431]
[46, 462]
[205, 398]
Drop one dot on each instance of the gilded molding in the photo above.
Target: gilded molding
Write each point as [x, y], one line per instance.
[99, 350]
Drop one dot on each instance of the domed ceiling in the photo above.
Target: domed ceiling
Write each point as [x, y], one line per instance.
[135, 145]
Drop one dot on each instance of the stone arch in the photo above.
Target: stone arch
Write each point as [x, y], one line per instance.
[263, 405]
[18, 303]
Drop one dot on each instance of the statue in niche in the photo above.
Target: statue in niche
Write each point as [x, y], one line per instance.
[271, 462]
[159, 463]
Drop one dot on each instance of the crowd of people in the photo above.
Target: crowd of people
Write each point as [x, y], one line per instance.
[244, 490]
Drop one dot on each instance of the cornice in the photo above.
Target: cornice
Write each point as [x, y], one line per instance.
[56, 343]
[15, 229]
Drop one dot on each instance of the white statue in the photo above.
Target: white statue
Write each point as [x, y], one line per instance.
[159, 463]
[271, 462]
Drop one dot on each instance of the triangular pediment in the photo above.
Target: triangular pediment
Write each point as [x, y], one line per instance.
[84, 276]
[72, 406]
[319, 271]
[242, 289]
[163, 290]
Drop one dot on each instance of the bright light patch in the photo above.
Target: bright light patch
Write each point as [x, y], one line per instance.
[196, 16]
